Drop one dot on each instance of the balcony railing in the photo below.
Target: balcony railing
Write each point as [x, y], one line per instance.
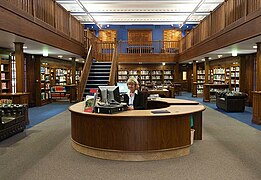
[53, 14]
[149, 47]
[225, 15]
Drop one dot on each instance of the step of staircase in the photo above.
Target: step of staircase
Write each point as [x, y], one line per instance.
[101, 66]
[101, 63]
[98, 77]
[100, 70]
[97, 82]
[99, 74]
[95, 85]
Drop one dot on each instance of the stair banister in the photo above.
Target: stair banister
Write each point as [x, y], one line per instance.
[113, 66]
[85, 74]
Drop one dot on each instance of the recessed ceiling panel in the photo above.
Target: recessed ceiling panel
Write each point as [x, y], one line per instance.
[149, 12]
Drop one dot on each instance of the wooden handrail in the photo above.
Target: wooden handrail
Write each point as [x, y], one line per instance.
[50, 14]
[84, 75]
[222, 17]
[113, 67]
[149, 47]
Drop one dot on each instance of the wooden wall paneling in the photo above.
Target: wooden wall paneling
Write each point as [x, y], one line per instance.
[177, 75]
[246, 76]
[107, 35]
[253, 5]
[19, 59]
[37, 75]
[31, 79]
[170, 35]
[206, 64]
[73, 70]
[189, 78]
[258, 67]
[62, 19]
[135, 37]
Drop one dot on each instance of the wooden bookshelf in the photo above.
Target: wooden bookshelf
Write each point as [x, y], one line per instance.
[147, 74]
[5, 80]
[200, 81]
[45, 85]
[234, 77]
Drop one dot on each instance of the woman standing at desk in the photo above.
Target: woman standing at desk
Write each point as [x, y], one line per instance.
[134, 98]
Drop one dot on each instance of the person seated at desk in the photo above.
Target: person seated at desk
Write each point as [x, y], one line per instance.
[134, 98]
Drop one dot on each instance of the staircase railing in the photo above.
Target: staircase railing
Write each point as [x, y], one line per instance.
[149, 47]
[112, 79]
[102, 50]
[85, 75]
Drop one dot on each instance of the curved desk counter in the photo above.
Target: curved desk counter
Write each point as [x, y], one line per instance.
[136, 135]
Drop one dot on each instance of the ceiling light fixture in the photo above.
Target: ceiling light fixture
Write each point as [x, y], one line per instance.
[203, 59]
[45, 52]
[25, 47]
[219, 56]
[255, 46]
[60, 56]
[234, 52]
[163, 63]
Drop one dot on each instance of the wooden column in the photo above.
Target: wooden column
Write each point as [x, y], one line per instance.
[194, 84]
[206, 70]
[257, 94]
[37, 77]
[194, 71]
[19, 60]
[73, 94]
[177, 74]
[258, 67]
[73, 70]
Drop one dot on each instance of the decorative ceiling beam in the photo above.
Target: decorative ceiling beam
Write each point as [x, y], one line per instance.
[192, 13]
[87, 13]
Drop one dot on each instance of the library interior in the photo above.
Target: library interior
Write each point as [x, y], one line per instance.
[197, 64]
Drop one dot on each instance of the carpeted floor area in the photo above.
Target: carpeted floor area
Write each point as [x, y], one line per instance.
[41, 113]
[230, 150]
[245, 117]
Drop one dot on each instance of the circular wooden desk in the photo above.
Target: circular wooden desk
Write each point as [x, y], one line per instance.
[136, 135]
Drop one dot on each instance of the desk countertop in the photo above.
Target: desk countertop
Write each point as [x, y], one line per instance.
[177, 107]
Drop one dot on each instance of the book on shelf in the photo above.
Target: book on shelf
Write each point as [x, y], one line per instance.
[3, 85]
[2, 67]
[2, 76]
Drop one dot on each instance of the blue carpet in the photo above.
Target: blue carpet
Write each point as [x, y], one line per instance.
[244, 117]
[41, 113]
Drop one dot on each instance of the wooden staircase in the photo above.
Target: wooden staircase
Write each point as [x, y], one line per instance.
[99, 76]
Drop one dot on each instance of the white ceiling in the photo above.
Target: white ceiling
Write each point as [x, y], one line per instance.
[151, 12]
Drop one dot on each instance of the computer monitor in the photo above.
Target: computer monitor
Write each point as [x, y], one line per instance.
[123, 87]
[110, 94]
